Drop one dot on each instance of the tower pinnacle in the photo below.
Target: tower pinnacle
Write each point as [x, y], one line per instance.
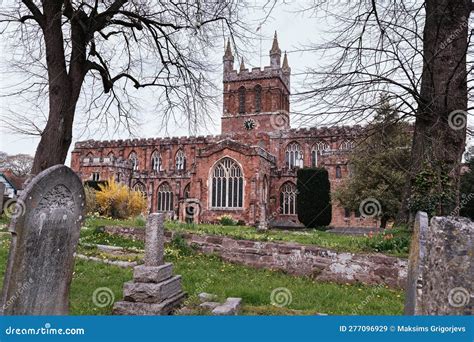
[242, 65]
[275, 53]
[228, 58]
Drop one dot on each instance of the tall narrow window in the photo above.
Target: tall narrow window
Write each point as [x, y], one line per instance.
[180, 161]
[241, 100]
[155, 161]
[95, 176]
[288, 199]
[165, 198]
[133, 160]
[227, 185]
[294, 156]
[338, 172]
[317, 151]
[258, 98]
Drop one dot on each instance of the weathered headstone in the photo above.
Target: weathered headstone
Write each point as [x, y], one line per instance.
[154, 290]
[44, 238]
[441, 267]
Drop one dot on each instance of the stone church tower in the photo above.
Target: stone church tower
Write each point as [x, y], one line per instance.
[256, 100]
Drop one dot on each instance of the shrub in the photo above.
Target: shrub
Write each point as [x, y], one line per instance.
[394, 240]
[91, 202]
[227, 220]
[313, 200]
[118, 201]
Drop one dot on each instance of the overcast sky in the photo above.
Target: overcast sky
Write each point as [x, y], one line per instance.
[294, 30]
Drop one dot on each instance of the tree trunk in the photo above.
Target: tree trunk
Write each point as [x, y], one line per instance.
[440, 134]
[64, 87]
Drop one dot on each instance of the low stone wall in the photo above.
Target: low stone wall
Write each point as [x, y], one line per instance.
[319, 263]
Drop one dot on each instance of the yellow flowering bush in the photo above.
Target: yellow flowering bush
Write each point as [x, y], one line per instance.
[118, 201]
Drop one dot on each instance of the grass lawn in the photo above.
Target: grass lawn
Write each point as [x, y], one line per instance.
[397, 246]
[203, 273]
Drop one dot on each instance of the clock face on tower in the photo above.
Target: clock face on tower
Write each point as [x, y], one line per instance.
[249, 124]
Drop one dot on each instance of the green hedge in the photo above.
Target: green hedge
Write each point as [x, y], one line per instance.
[313, 200]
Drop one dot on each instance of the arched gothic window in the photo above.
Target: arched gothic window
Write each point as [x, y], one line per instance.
[133, 160]
[346, 145]
[316, 151]
[294, 155]
[180, 161]
[227, 185]
[155, 161]
[338, 172]
[165, 197]
[258, 98]
[288, 199]
[241, 100]
[140, 187]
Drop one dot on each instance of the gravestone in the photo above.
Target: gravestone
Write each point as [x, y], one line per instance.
[44, 238]
[415, 264]
[154, 290]
[441, 267]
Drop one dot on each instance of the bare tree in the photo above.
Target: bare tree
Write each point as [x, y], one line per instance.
[102, 50]
[19, 164]
[413, 50]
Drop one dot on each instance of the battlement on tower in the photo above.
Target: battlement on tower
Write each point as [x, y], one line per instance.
[256, 74]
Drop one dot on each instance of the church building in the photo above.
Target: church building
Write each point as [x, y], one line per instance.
[247, 172]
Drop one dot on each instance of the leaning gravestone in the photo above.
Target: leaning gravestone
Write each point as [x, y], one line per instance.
[154, 290]
[45, 233]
